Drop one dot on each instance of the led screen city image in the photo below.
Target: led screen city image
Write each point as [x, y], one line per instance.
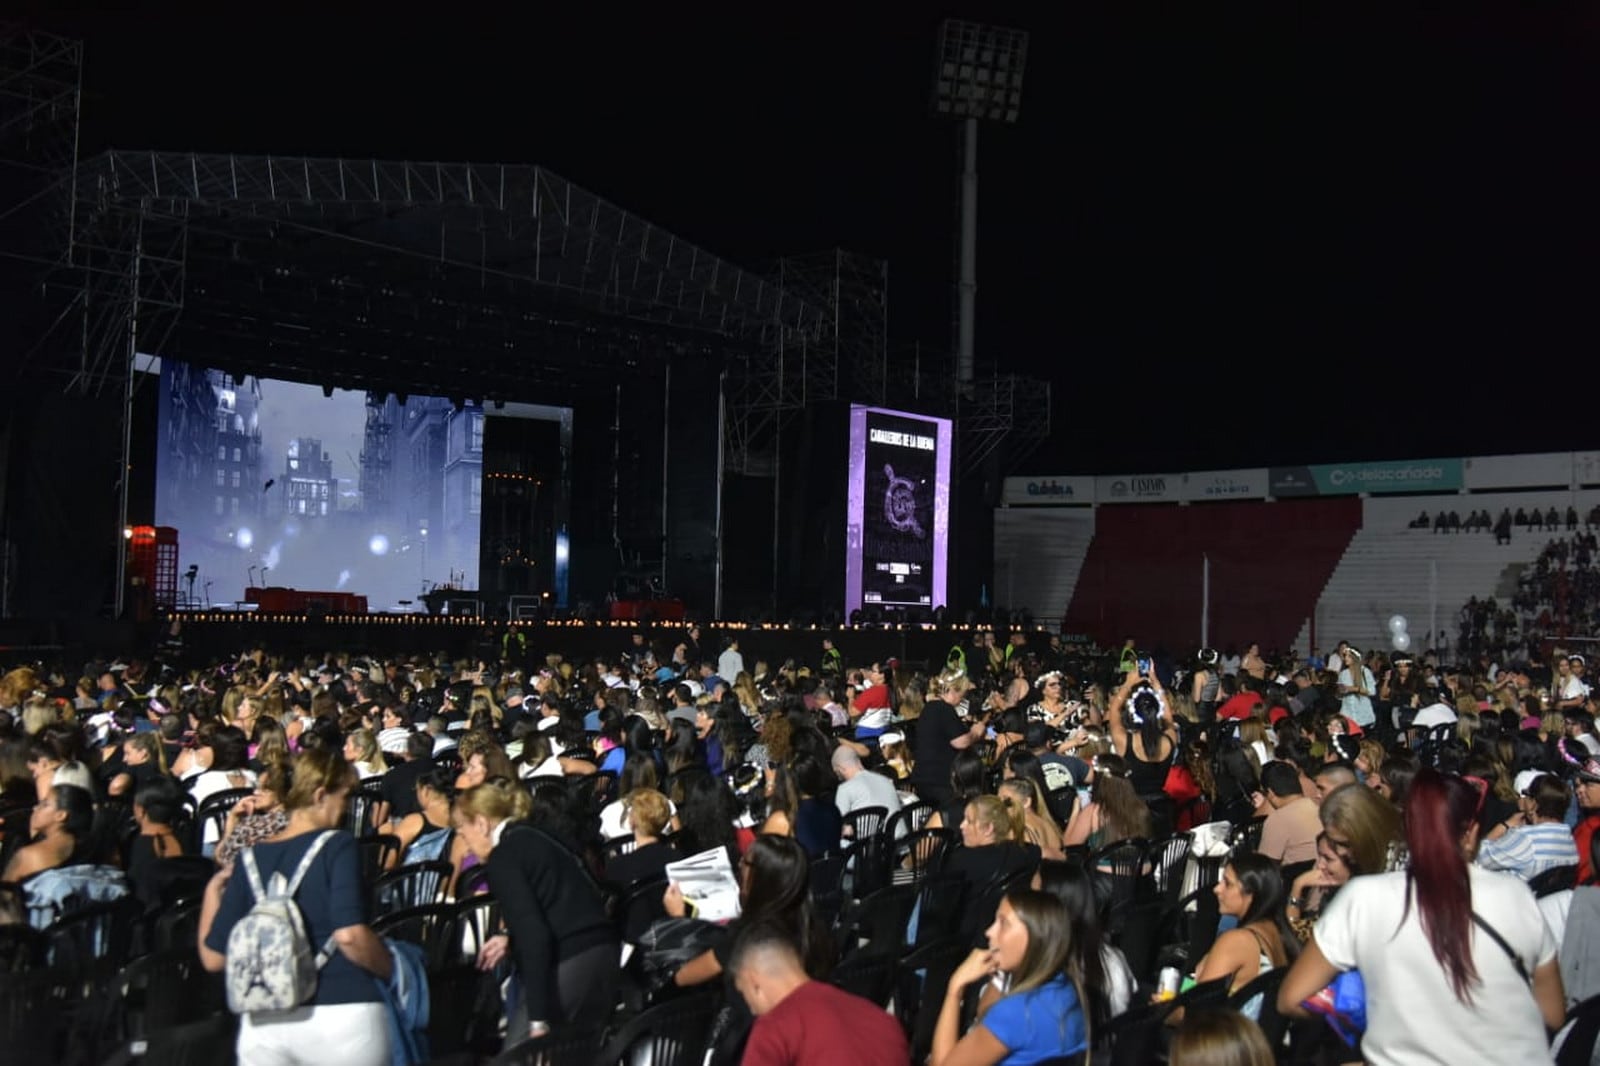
[897, 510]
[275, 483]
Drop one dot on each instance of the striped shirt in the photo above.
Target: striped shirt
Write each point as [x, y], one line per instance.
[1530, 850]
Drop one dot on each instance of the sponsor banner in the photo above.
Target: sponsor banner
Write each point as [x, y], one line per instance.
[1548, 470]
[1139, 488]
[1345, 479]
[1586, 468]
[1047, 490]
[1212, 485]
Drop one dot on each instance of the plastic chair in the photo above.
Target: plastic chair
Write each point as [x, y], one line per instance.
[377, 853]
[1582, 1034]
[556, 1048]
[865, 822]
[868, 974]
[909, 818]
[431, 927]
[876, 923]
[361, 810]
[640, 905]
[31, 1017]
[1166, 861]
[213, 814]
[921, 854]
[204, 1043]
[1273, 1024]
[674, 1033]
[415, 885]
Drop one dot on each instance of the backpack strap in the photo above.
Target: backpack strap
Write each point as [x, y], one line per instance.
[306, 860]
[247, 857]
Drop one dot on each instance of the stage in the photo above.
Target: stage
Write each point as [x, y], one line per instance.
[210, 636]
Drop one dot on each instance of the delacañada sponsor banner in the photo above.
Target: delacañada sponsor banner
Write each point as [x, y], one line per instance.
[1047, 491]
[1345, 479]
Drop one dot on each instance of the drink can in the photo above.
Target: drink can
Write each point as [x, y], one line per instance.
[1169, 981]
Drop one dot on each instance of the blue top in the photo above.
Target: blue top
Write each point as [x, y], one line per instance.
[1039, 1024]
[330, 898]
[818, 826]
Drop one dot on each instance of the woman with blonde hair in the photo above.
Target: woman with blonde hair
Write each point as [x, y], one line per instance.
[1039, 828]
[558, 934]
[361, 751]
[345, 1021]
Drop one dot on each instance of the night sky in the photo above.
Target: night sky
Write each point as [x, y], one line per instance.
[1264, 237]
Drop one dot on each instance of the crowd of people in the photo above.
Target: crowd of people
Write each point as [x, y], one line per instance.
[1427, 825]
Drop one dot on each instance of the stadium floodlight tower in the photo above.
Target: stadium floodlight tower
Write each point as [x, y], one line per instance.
[979, 77]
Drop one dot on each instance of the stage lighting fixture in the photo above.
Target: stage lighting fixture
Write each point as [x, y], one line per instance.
[327, 392]
[980, 71]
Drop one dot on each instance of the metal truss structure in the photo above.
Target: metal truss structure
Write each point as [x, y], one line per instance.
[367, 273]
[478, 281]
[844, 357]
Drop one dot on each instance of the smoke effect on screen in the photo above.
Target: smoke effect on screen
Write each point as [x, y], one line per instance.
[274, 483]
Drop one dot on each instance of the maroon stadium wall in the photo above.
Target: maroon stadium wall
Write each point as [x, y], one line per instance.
[1143, 575]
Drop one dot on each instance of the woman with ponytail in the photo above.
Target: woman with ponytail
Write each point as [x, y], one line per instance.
[994, 835]
[1457, 961]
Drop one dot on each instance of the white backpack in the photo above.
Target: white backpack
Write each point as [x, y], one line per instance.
[271, 966]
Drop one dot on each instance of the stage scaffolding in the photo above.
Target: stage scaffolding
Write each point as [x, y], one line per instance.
[479, 281]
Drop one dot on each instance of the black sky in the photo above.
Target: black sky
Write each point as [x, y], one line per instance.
[1227, 238]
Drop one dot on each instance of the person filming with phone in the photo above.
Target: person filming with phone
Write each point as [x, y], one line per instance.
[1144, 733]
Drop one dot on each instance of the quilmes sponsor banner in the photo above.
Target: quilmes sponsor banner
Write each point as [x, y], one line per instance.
[1139, 488]
[1047, 490]
[1225, 485]
[1344, 479]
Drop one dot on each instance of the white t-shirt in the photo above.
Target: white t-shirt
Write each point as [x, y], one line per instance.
[613, 819]
[1413, 1015]
[1434, 714]
[211, 782]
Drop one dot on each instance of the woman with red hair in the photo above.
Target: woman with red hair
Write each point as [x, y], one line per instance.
[1457, 962]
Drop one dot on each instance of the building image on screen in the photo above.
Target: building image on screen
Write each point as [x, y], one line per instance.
[899, 510]
[274, 483]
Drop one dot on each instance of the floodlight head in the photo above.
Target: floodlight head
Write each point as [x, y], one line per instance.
[979, 73]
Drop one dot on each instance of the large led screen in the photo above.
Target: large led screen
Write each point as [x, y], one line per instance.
[275, 483]
[898, 521]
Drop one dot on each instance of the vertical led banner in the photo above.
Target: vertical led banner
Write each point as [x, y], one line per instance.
[898, 510]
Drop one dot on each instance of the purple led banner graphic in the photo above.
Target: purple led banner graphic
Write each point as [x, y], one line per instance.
[897, 532]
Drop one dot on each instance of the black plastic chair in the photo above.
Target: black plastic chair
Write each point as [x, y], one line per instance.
[377, 855]
[22, 948]
[213, 814]
[617, 847]
[591, 792]
[415, 885]
[1166, 861]
[155, 993]
[909, 818]
[32, 1020]
[1061, 800]
[1120, 867]
[868, 866]
[476, 919]
[88, 944]
[556, 1048]
[868, 974]
[1273, 1024]
[177, 926]
[921, 978]
[1137, 1036]
[865, 822]
[204, 1043]
[641, 904]
[361, 809]
[876, 923]
[941, 901]
[675, 1033]
[1582, 1034]
[921, 854]
[431, 927]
